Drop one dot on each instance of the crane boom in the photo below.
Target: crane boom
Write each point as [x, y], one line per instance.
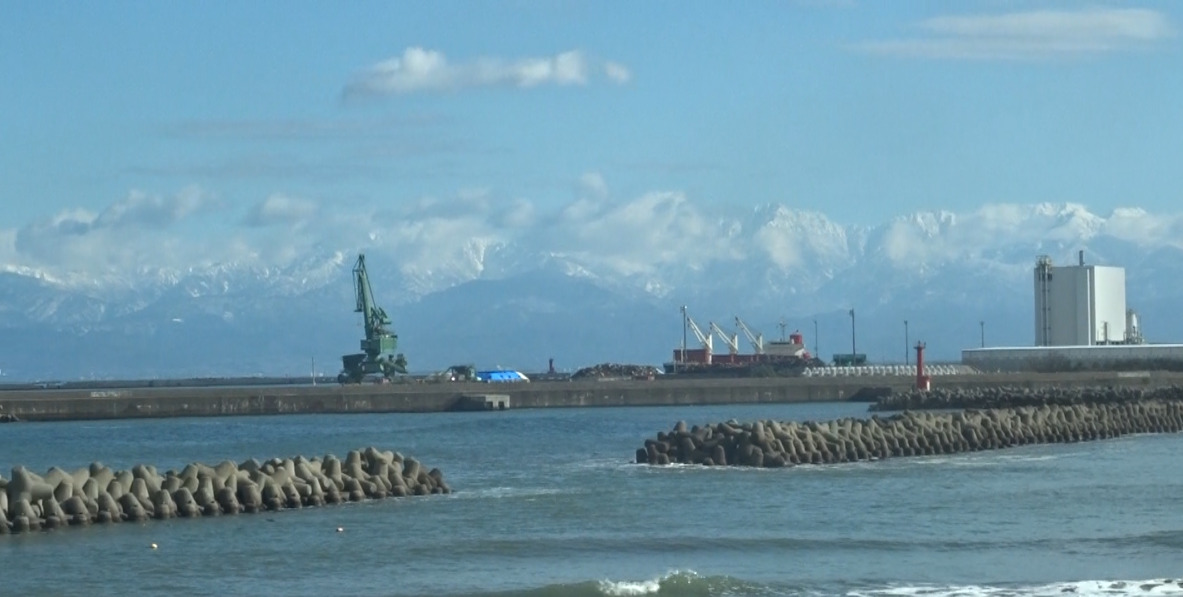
[378, 346]
[731, 340]
[705, 339]
[757, 340]
[375, 317]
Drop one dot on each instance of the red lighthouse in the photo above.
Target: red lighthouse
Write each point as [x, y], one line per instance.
[923, 382]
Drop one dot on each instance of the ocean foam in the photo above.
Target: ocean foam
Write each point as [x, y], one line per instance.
[1084, 588]
[505, 492]
[628, 588]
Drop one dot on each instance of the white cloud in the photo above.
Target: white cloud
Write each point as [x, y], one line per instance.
[436, 246]
[618, 72]
[8, 246]
[283, 210]
[582, 209]
[134, 230]
[466, 202]
[1086, 25]
[639, 236]
[1137, 226]
[783, 250]
[521, 214]
[593, 183]
[902, 244]
[826, 3]
[1024, 229]
[153, 210]
[1031, 35]
[423, 70]
[792, 239]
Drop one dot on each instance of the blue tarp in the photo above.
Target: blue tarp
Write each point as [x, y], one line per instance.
[500, 376]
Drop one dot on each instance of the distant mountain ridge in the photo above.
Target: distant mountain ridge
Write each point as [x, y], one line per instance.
[608, 291]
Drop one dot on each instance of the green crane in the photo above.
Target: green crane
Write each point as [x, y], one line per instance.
[378, 346]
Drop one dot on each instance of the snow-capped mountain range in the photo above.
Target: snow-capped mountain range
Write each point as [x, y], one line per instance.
[591, 283]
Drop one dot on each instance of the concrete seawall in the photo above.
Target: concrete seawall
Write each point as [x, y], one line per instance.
[115, 403]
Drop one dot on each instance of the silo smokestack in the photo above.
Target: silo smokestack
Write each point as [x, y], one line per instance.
[1080, 256]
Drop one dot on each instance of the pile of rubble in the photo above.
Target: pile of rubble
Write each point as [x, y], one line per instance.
[607, 371]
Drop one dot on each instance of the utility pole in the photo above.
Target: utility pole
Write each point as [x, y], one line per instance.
[982, 324]
[682, 357]
[816, 351]
[853, 346]
[907, 357]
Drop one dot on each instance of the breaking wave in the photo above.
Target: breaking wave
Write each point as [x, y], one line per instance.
[1084, 588]
[689, 583]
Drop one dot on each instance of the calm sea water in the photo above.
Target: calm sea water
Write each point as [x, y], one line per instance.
[547, 502]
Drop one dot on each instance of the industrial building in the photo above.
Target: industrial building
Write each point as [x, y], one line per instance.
[1081, 323]
[1082, 305]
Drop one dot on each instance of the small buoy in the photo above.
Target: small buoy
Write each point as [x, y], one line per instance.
[153, 546]
[340, 529]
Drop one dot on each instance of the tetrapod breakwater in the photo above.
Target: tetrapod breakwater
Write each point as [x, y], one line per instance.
[1010, 396]
[774, 444]
[98, 494]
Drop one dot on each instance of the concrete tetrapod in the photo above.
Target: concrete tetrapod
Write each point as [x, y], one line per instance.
[97, 494]
[777, 444]
[942, 398]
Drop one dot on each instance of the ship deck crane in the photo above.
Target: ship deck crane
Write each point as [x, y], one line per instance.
[731, 340]
[378, 346]
[706, 340]
[757, 340]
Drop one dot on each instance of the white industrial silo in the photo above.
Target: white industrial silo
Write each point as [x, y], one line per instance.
[1133, 330]
[1079, 305]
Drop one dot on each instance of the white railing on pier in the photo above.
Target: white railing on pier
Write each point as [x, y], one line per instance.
[888, 370]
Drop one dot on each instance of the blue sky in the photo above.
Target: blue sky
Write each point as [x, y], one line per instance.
[218, 117]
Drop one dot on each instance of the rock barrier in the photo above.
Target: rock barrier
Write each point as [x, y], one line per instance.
[1004, 397]
[97, 494]
[773, 444]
